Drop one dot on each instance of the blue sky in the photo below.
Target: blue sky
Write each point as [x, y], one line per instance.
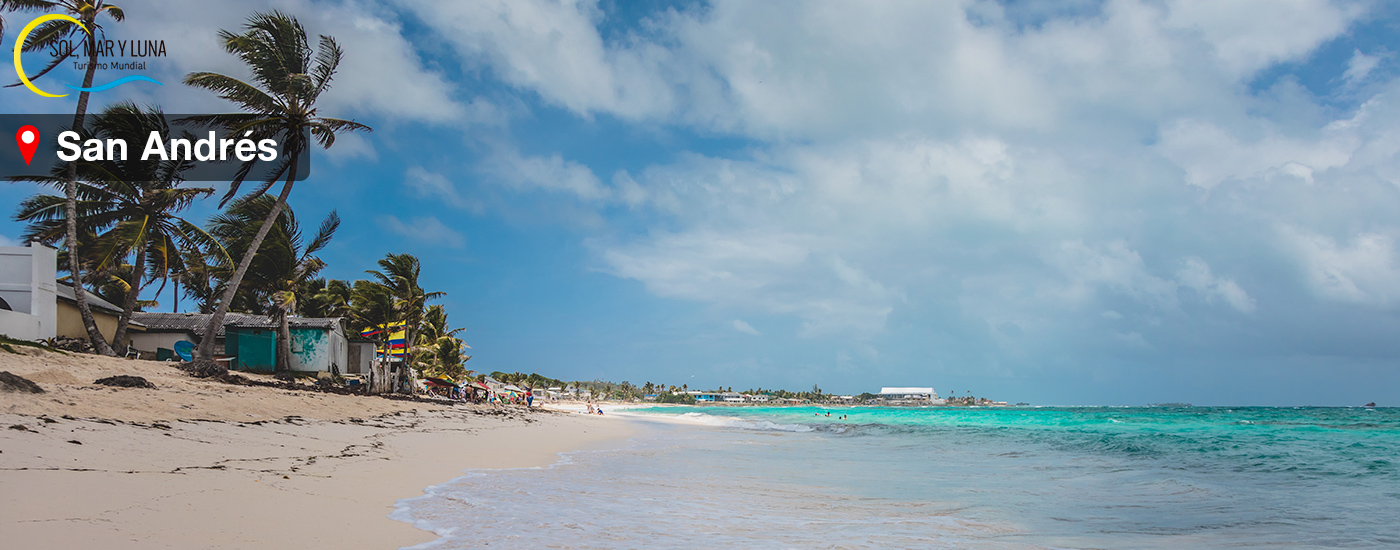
[1087, 202]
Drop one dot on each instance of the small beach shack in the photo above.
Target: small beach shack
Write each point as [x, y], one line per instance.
[318, 344]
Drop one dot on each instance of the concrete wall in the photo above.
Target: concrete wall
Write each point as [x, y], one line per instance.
[315, 350]
[70, 322]
[27, 285]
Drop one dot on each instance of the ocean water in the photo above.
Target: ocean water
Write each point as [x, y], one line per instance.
[992, 478]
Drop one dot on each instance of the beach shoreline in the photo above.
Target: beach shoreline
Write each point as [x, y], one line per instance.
[196, 463]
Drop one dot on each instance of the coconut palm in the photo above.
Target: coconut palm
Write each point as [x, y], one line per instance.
[326, 298]
[443, 357]
[44, 36]
[135, 206]
[440, 352]
[435, 324]
[280, 103]
[399, 273]
[280, 268]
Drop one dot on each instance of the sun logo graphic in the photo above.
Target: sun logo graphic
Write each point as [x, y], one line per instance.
[24, 79]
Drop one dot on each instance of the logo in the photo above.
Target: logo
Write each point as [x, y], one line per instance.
[24, 79]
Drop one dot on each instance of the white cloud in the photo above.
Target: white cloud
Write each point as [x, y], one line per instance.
[826, 69]
[1365, 271]
[548, 173]
[767, 273]
[1114, 266]
[1195, 274]
[1359, 67]
[423, 230]
[553, 48]
[745, 328]
[437, 187]
[6, 241]
[1211, 155]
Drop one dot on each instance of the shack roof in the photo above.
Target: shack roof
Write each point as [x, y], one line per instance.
[65, 292]
[194, 323]
[259, 321]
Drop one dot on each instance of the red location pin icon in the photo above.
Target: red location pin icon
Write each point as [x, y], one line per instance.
[28, 140]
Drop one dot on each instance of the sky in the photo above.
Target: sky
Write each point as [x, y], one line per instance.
[1062, 203]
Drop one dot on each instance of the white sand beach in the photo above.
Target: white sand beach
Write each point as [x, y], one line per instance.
[203, 464]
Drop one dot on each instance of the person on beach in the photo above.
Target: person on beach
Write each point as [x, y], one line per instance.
[529, 398]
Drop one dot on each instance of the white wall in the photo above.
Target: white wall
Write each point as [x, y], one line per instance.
[27, 283]
[151, 341]
[320, 353]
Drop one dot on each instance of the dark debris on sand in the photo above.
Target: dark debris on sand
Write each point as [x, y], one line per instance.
[15, 383]
[204, 368]
[124, 381]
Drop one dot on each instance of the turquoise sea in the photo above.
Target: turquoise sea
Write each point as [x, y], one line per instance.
[770, 477]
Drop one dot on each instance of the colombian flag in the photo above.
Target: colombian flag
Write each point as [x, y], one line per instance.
[398, 338]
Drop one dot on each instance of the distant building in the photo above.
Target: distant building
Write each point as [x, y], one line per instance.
[911, 394]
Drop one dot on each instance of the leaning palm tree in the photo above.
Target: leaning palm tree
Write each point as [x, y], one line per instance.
[46, 35]
[280, 103]
[280, 268]
[399, 273]
[135, 206]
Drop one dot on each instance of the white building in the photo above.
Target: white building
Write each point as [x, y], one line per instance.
[28, 292]
[911, 394]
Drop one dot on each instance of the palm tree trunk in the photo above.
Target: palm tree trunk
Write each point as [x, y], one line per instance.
[284, 342]
[206, 345]
[70, 192]
[131, 296]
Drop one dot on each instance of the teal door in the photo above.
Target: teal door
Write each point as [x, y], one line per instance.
[257, 349]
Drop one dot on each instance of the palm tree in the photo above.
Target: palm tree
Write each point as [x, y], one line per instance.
[399, 274]
[280, 103]
[134, 203]
[372, 308]
[435, 324]
[327, 298]
[282, 266]
[440, 352]
[45, 35]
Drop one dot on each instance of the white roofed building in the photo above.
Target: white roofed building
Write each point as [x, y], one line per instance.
[910, 394]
